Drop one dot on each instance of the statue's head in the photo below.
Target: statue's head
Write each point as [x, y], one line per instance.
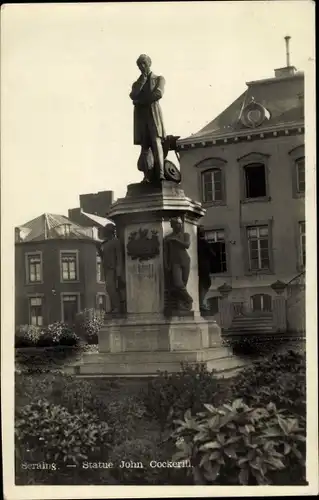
[176, 223]
[109, 231]
[144, 63]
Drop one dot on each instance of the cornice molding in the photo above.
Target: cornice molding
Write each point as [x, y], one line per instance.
[295, 128]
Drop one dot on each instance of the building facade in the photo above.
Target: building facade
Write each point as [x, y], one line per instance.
[57, 271]
[247, 168]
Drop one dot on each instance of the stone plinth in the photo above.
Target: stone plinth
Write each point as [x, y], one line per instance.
[151, 335]
[143, 214]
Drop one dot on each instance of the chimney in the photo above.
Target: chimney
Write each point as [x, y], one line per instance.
[288, 70]
[97, 203]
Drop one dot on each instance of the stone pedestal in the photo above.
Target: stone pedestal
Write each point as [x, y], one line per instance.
[150, 336]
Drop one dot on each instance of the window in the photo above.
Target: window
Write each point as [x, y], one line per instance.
[258, 248]
[101, 302]
[302, 243]
[212, 185]
[34, 268]
[99, 269]
[261, 303]
[69, 271]
[35, 311]
[300, 175]
[70, 308]
[255, 180]
[213, 304]
[216, 239]
[64, 229]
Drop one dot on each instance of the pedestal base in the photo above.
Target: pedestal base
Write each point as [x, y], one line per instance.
[139, 346]
[152, 333]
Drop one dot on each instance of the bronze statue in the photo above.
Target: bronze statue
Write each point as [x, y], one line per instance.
[110, 250]
[149, 130]
[205, 256]
[177, 266]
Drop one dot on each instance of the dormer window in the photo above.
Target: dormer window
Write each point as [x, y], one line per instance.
[64, 230]
[254, 114]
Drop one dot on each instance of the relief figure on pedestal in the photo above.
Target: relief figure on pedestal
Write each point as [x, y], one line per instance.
[177, 266]
[111, 253]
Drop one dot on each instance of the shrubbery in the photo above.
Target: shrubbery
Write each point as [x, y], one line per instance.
[245, 430]
[169, 396]
[56, 334]
[48, 432]
[252, 345]
[237, 444]
[88, 324]
[280, 378]
[136, 450]
[27, 335]
[86, 328]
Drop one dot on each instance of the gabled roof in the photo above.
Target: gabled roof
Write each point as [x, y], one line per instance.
[52, 226]
[280, 96]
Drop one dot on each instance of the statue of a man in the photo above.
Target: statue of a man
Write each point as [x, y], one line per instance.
[177, 264]
[110, 250]
[149, 130]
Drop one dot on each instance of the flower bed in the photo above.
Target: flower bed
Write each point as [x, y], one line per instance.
[232, 431]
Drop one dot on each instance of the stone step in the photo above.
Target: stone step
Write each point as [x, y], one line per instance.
[252, 325]
[253, 320]
[155, 356]
[134, 364]
[251, 328]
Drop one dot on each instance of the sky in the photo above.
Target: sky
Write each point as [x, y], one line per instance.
[67, 70]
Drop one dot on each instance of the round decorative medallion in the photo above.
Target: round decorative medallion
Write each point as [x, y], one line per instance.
[254, 114]
[171, 172]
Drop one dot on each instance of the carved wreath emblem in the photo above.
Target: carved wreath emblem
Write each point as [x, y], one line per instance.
[141, 246]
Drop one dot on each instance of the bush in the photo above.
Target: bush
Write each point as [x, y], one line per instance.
[61, 389]
[46, 359]
[52, 334]
[236, 444]
[69, 338]
[280, 378]
[135, 450]
[27, 335]
[123, 416]
[169, 396]
[32, 388]
[48, 432]
[80, 395]
[252, 345]
[88, 324]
